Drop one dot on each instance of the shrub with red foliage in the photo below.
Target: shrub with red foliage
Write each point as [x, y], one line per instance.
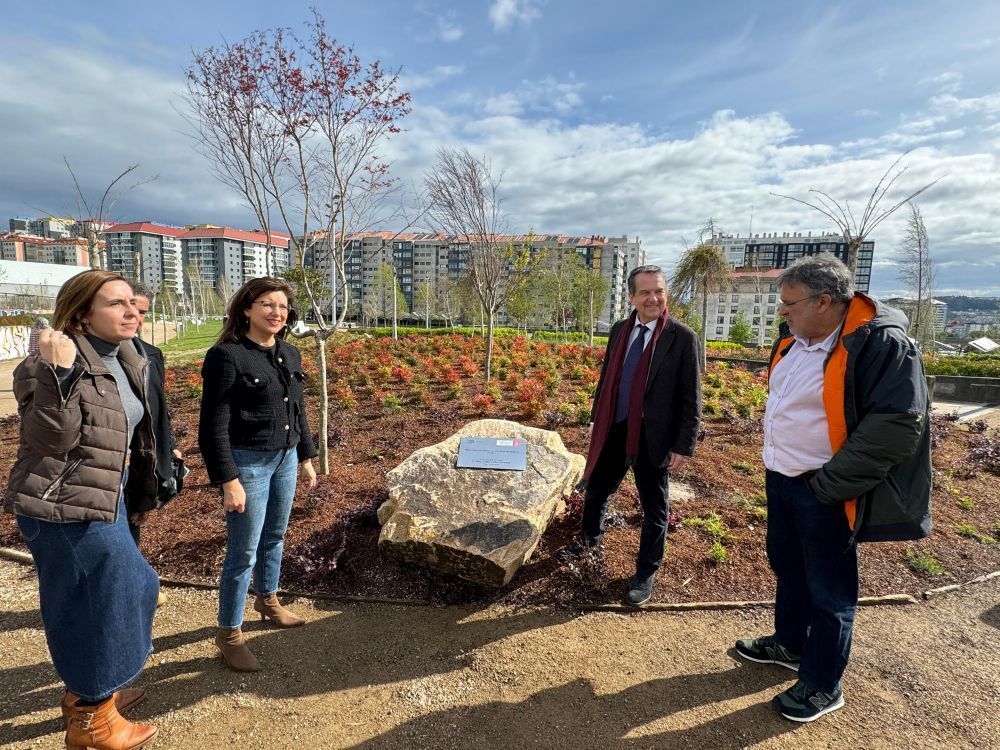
[484, 403]
[530, 394]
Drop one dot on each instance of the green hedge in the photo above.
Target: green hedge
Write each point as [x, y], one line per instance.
[983, 366]
[17, 320]
[556, 337]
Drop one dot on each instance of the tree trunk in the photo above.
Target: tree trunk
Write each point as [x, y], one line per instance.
[395, 297]
[704, 327]
[591, 342]
[152, 321]
[324, 408]
[489, 347]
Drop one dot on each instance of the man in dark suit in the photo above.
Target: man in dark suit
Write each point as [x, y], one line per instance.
[647, 408]
[166, 446]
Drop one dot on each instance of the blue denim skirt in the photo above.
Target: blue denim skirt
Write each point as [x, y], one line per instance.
[98, 596]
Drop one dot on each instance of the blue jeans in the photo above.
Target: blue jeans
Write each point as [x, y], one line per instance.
[816, 566]
[97, 597]
[255, 538]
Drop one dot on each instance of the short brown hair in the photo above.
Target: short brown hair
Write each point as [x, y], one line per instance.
[76, 297]
[237, 324]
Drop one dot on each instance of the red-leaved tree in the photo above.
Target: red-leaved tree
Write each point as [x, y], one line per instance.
[295, 124]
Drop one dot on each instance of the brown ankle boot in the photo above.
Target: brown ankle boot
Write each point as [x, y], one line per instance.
[234, 650]
[271, 609]
[124, 700]
[101, 727]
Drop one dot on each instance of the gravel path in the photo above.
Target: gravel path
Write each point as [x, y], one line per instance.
[922, 676]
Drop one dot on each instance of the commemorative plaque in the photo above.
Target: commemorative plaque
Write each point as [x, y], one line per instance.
[505, 454]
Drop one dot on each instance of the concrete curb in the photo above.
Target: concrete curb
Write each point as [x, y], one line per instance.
[865, 601]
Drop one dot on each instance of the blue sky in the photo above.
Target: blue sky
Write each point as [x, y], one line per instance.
[634, 117]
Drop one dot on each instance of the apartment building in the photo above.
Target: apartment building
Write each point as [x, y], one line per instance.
[754, 294]
[231, 257]
[31, 249]
[771, 250]
[153, 249]
[427, 257]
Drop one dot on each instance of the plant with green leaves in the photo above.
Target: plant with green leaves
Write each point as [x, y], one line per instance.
[702, 270]
[923, 562]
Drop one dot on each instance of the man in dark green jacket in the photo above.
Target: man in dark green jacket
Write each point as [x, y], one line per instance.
[847, 451]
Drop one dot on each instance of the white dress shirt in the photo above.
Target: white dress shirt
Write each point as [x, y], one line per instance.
[796, 434]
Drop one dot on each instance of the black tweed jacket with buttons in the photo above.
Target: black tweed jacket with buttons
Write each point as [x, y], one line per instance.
[253, 398]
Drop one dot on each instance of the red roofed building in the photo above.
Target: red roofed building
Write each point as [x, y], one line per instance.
[153, 249]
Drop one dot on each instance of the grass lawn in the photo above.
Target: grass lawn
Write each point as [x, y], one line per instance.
[195, 342]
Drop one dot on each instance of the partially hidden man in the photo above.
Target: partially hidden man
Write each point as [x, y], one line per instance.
[646, 413]
[847, 452]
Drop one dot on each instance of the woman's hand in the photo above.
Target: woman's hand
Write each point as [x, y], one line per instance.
[309, 472]
[56, 348]
[234, 497]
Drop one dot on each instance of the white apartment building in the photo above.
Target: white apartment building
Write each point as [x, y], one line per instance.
[755, 295]
[771, 250]
[156, 248]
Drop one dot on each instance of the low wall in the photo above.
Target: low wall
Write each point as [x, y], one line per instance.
[14, 341]
[750, 364]
[967, 390]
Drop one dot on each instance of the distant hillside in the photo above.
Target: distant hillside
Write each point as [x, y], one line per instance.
[970, 304]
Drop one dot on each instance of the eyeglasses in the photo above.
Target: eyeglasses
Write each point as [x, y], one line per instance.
[782, 303]
[272, 307]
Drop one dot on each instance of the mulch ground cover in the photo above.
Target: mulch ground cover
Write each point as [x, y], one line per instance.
[715, 547]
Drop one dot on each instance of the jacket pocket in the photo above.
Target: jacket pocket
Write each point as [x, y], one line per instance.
[254, 383]
[60, 480]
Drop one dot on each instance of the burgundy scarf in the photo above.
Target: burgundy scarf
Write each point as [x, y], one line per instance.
[609, 394]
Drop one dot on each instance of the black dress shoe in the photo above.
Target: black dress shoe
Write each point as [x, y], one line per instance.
[640, 589]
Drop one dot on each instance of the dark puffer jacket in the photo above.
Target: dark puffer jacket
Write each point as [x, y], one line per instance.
[73, 450]
[875, 394]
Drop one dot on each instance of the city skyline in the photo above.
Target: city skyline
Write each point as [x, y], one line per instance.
[646, 118]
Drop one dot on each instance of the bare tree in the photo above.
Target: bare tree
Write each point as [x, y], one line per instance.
[856, 231]
[463, 194]
[92, 215]
[294, 125]
[917, 272]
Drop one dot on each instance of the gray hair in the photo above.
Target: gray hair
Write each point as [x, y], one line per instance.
[140, 290]
[821, 274]
[643, 269]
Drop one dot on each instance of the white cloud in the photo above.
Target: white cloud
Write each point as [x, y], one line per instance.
[949, 81]
[561, 175]
[546, 95]
[415, 81]
[865, 113]
[448, 30]
[504, 13]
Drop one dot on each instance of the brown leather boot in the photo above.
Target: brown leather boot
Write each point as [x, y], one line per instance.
[271, 609]
[124, 700]
[234, 650]
[101, 727]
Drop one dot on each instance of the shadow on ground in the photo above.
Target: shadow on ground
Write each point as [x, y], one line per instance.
[574, 716]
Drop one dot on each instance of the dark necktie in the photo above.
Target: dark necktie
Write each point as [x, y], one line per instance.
[628, 373]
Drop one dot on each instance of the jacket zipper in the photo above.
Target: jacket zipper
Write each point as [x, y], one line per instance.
[59, 480]
[63, 399]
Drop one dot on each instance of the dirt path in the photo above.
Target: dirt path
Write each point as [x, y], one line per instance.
[922, 676]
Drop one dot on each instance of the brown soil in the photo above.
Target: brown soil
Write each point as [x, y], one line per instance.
[331, 546]
[385, 677]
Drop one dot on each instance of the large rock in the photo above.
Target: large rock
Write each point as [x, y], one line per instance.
[478, 524]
